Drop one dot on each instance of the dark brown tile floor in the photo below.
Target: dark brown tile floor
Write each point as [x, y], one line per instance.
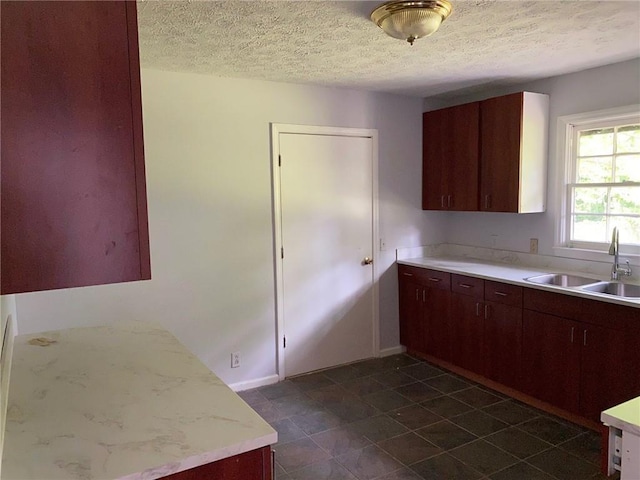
[399, 418]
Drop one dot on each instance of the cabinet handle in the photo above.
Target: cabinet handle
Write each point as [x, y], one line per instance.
[477, 309]
[449, 201]
[584, 338]
[465, 285]
[501, 294]
[487, 201]
[424, 299]
[434, 279]
[407, 274]
[417, 297]
[442, 201]
[273, 464]
[486, 311]
[572, 330]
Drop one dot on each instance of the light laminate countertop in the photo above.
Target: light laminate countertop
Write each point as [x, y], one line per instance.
[119, 402]
[513, 274]
[625, 416]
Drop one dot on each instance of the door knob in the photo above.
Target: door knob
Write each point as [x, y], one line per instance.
[367, 261]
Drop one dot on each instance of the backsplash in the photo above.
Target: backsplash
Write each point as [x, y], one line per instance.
[544, 262]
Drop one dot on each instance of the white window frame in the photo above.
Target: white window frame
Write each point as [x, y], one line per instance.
[566, 159]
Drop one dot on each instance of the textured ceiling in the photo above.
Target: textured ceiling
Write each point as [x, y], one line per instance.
[334, 43]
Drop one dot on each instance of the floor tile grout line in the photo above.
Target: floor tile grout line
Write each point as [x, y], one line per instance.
[491, 473]
[389, 414]
[597, 464]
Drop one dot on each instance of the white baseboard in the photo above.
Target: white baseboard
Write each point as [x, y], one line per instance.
[386, 352]
[258, 382]
[271, 379]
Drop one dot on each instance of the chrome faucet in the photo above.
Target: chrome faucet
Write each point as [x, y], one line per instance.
[616, 269]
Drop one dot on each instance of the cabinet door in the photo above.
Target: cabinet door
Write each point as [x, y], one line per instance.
[412, 327]
[252, 465]
[503, 343]
[500, 137]
[450, 158]
[551, 359]
[436, 312]
[73, 204]
[606, 369]
[467, 332]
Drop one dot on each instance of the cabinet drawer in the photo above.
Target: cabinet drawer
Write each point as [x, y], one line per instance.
[503, 293]
[474, 287]
[425, 276]
[558, 304]
[407, 272]
[619, 317]
[435, 279]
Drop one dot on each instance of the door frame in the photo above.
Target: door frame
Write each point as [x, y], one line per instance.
[276, 130]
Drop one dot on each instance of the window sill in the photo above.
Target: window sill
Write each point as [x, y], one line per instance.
[595, 255]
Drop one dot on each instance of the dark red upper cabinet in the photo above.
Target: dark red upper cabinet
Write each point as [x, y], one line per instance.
[513, 153]
[486, 156]
[73, 196]
[450, 158]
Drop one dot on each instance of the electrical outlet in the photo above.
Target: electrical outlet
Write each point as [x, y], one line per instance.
[235, 359]
[533, 245]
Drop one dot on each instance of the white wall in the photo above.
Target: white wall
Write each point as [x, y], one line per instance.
[595, 89]
[207, 150]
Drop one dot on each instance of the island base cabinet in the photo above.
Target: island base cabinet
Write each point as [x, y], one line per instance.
[253, 465]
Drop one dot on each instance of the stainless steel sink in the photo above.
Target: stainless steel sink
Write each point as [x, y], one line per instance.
[561, 280]
[618, 289]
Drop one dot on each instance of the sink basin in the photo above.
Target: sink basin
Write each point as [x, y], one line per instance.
[626, 290]
[561, 280]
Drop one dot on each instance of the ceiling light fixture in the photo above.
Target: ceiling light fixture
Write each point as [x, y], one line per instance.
[410, 20]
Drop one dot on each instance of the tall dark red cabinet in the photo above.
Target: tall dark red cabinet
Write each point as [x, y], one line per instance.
[73, 196]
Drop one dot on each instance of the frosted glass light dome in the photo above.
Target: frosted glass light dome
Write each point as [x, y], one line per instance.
[410, 20]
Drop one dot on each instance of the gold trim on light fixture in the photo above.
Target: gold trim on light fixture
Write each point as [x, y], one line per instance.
[410, 20]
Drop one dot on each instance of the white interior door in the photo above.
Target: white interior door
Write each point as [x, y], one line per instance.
[327, 221]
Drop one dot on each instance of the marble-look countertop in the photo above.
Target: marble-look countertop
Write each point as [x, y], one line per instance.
[625, 416]
[511, 274]
[119, 402]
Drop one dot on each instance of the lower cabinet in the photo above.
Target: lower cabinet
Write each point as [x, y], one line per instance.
[585, 363]
[252, 465]
[467, 322]
[437, 317]
[577, 354]
[412, 326]
[502, 338]
[486, 320]
[424, 311]
[604, 370]
[551, 359]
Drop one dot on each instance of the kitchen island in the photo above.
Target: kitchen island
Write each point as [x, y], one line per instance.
[127, 401]
[623, 422]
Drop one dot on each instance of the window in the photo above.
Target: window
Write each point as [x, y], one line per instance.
[601, 187]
